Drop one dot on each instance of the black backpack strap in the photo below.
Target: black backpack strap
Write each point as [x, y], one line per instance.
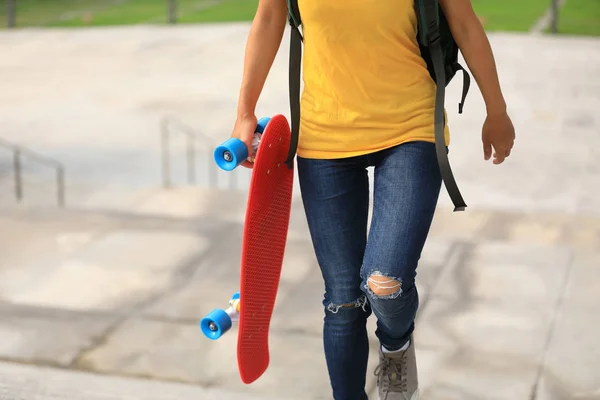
[439, 123]
[428, 14]
[294, 78]
[466, 86]
[294, 13]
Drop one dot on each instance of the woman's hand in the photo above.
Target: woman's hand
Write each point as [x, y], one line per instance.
[263, 43]
[244, 130]
[499, 133]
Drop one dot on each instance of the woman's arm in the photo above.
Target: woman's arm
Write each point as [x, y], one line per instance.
[498, 130]
[263, 43]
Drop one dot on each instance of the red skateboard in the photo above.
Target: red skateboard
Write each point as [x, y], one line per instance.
[263, 244]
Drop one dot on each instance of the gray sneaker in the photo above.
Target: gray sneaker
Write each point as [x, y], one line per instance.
[397, 375]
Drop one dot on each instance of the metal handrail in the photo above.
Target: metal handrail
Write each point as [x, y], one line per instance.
[171, 125]
[18, 153]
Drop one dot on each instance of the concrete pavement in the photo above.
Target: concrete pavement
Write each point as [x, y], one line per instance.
[115, 284]
[27, 382]
[499, 314]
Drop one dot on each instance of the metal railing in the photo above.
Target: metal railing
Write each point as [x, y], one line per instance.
[170, 126]
[196, 142]
[18, 155]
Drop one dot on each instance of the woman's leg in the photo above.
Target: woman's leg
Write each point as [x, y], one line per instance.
[335, 194]
[406, 191]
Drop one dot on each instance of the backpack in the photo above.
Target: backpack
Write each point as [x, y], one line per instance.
[440, 52]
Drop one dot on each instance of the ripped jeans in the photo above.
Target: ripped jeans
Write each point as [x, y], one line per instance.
[368, 270]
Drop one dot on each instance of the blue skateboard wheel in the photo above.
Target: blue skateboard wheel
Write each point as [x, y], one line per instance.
[215, 324]
[262, 124]
[233, 152]
[235, 296]
[230, 154]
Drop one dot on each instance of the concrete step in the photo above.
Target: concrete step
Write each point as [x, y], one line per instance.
[28, 382]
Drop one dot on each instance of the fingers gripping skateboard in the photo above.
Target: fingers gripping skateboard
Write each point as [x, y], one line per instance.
[231, 153]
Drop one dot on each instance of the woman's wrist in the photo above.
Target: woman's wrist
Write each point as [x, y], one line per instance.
[496, 108]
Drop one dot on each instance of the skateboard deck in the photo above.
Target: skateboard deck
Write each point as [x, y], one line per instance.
[263, 244]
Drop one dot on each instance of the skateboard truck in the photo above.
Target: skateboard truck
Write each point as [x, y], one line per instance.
[231, 153]
[219, 321]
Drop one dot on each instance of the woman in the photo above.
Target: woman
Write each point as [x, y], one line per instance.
[368, 100]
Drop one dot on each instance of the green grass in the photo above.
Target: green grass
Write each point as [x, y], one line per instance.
[76, 13]
[576, 17]
[226, 11]
[35, 12]
[128, 12]
[510, 15]
[580, 17]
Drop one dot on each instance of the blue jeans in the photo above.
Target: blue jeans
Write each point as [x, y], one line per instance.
[335, 194]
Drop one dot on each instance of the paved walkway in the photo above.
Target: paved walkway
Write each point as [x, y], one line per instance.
[506, 299]
[26, 382]
[116, 284]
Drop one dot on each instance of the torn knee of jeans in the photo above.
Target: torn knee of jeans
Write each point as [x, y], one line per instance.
[360, 302]
[383, 286]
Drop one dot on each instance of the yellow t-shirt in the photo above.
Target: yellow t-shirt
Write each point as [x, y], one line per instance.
[366, 86]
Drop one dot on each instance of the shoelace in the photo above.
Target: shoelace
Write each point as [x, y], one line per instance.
[388, 369]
